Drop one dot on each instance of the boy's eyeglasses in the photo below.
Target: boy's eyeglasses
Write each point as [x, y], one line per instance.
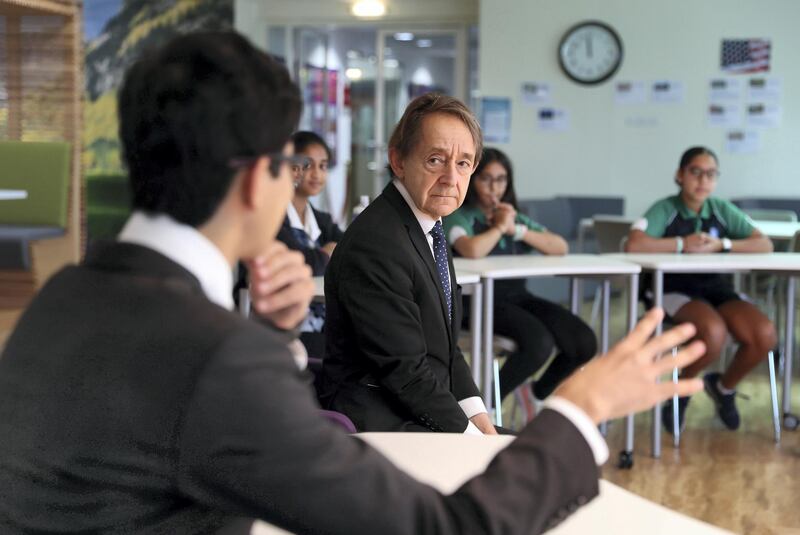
[697, 172]
[276, 160]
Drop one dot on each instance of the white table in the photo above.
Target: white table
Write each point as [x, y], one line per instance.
[777, 230]
[447, 460]
[499, 267]
[786, 264]
[13, 194]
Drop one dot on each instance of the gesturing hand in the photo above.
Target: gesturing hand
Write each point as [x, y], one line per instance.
[281, 286]
[623, 381]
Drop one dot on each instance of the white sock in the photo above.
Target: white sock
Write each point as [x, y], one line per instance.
[722, 389]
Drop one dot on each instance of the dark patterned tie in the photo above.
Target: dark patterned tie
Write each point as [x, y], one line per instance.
[440, 256]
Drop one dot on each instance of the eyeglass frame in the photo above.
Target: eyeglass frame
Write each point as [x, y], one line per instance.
[699, 172]
[489, 180]
[276, 160]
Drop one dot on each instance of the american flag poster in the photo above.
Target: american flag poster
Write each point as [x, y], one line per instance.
[740, 56]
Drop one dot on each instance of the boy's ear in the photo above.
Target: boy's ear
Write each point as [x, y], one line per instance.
[252, 182]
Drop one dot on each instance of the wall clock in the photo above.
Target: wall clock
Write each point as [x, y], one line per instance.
[590, 52]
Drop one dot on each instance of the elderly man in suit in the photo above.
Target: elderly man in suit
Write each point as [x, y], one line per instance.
[134, 400]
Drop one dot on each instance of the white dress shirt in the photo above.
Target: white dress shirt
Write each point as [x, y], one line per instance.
[187, 247]
[310, 226]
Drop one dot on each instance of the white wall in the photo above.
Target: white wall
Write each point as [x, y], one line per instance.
[604, 152]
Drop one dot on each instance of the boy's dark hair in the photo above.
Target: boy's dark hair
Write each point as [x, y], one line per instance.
[493, 155]
[187, 109]
[306, 138]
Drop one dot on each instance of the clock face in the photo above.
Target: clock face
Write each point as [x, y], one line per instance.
[590, 52]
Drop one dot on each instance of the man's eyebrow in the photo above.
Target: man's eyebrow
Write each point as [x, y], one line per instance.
[462, 155]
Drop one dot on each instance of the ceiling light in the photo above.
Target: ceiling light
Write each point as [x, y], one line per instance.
[404, 36]
[368, 8]
[353, 54]
[424, 43]
[391, 63]
[353, 73]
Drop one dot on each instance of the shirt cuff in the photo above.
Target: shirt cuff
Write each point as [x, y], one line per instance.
[579, 419]
[472, 429]
[472, 406]
[640, 224]
[456, 233]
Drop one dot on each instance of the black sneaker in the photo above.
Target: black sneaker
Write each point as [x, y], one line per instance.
[666, 414]
[726, 405]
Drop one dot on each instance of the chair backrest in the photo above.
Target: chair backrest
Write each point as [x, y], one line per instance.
[552, 213]
[610, 233]
[43, 171]
[794, 244]
[765, 214]
[584, 207]
[783, 203]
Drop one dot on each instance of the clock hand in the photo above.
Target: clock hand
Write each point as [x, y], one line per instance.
[589, 46]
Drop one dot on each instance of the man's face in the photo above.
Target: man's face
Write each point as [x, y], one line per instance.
[436, 172]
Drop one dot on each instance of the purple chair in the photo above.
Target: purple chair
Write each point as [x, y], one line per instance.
[339, 419]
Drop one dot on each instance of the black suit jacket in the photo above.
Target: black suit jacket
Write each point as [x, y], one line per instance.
[131, 404]
[315, 257]
[392, 361]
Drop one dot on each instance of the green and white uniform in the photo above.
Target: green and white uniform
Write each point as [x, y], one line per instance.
[669, 218]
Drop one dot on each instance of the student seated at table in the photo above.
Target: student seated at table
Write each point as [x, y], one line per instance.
[489, 224]
[695, 222]
[306, 229]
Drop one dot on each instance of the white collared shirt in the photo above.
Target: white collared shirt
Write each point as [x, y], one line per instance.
[310, 226]
[187, 247]
[472, 405]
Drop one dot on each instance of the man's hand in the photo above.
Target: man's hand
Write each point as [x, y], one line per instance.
[281, 286]
[483, 423]
[623, 381]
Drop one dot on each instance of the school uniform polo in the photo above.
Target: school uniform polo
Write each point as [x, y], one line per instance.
[669, 218]
[470, 221]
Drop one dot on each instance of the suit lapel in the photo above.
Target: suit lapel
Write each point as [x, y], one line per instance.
[420, 242]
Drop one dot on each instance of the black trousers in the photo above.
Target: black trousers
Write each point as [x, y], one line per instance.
[537, 326]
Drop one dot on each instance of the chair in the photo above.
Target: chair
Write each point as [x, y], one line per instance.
[501, 347]
[36, 232]
[766, 214]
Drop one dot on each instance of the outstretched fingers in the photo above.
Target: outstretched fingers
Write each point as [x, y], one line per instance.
[683, 358]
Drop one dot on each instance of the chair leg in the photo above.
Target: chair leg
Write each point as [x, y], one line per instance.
[676, 428]
[773, 393]
[498, 408]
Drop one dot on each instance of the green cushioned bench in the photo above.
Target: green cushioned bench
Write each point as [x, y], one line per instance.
[43, 171]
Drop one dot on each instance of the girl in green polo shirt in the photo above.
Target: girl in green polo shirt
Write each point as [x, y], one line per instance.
[488, 223]
[695, 222]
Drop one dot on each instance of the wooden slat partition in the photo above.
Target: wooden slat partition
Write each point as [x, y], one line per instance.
[41, 77]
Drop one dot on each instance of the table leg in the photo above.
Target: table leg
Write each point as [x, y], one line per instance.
[788, 355]
[488, 335]
[244, 302]
[604, 317]
[475, 313]
[574, 295]
[658, 299]
[626, 455]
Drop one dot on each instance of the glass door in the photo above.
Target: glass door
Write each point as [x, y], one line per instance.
[411, 63]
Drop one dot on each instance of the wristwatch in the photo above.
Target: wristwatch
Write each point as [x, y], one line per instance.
[727, 245]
